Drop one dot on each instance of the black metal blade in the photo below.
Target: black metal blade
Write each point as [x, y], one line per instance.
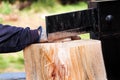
[72, 22]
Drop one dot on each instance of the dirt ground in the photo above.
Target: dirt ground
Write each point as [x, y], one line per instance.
[32, 20]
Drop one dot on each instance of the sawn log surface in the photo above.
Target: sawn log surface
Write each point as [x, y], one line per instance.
[72, 60]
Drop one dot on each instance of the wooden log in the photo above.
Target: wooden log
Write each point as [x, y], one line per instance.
[72, 60]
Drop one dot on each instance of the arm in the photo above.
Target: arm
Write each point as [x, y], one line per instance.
[14, 39]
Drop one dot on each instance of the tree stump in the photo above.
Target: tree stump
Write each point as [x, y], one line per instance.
[72, 60]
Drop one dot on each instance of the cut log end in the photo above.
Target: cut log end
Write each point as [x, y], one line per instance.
[71, 60]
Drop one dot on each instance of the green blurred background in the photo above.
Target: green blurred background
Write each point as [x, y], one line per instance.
[31, 13]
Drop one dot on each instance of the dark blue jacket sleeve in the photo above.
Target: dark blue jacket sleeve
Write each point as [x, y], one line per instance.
[14, 38]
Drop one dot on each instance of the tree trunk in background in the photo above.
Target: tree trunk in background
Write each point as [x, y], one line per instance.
[72, 60]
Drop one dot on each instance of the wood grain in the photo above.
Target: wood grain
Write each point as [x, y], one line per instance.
[72, 60]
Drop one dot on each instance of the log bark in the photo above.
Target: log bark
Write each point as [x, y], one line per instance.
[72, 60]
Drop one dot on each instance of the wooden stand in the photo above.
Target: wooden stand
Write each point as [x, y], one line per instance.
[72, 60]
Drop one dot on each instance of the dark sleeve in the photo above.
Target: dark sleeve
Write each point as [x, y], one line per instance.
[14, 38]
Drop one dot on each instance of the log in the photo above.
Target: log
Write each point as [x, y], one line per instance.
[71, 60]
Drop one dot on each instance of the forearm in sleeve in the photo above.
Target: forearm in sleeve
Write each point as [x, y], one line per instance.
[14, 38]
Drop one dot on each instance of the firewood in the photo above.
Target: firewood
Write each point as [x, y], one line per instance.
[72, 60]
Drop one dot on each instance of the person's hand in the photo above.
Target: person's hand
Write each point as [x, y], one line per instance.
[43, 35]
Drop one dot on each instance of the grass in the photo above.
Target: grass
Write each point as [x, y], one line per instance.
[50, 6]
[54, 7]
[67, 8]
[5, 8]
[11, 61]
[85, 36]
